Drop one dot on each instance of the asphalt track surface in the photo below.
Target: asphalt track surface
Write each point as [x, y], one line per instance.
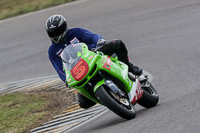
[162, 37]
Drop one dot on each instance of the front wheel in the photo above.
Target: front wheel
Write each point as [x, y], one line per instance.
[150, 96]
[120, 106]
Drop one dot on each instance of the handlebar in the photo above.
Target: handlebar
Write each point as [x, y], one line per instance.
[98, 48]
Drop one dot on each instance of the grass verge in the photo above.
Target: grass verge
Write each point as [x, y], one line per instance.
[21, 112]
[10, 8]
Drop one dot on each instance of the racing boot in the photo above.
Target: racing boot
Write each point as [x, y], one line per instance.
[134, 69]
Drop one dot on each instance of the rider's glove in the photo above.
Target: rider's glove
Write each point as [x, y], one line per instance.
[101, 43]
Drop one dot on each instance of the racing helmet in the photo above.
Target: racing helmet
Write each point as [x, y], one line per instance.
[56, 27]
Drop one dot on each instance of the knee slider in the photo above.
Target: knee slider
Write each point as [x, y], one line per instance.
[86, 105]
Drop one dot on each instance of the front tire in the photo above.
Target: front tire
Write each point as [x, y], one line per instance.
[125, 111]
[150, 96]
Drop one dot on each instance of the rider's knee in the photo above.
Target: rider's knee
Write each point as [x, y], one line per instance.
[85, 102]
[120, 43]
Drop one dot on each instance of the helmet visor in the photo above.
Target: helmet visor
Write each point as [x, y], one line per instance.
[57, 32]
[60, 38]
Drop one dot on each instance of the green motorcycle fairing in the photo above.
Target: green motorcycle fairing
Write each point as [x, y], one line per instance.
[81, 65]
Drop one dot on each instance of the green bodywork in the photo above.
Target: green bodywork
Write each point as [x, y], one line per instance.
[97, 62]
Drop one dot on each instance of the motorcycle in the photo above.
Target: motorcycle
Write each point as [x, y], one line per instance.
[106, 80]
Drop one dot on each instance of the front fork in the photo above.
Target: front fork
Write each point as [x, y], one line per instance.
[110, 85]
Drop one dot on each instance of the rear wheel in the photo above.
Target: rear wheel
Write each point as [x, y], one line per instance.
[119, 105]
[150, 96]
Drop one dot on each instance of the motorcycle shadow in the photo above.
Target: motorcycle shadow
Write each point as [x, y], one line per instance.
[116, 121]
[141, 111]
[113, 121]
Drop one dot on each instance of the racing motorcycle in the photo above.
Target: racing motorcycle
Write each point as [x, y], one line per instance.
[106, 80]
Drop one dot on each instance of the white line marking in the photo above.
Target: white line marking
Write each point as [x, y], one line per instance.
[27, 80]
[98, 115]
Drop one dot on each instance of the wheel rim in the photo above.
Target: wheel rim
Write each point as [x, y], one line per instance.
[123, 101]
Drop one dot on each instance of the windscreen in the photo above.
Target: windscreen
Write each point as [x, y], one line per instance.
[71, 55]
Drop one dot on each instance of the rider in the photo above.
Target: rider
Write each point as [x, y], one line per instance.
[61, 36]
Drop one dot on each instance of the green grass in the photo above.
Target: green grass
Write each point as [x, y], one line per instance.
[20, 111]
[10, 8]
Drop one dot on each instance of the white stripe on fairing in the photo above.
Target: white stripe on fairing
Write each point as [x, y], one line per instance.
[86, 55]
[93, 60]
[72, 82]
[131, 94]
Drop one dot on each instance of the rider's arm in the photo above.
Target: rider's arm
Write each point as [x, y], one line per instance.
[57, 64]
[88, 37]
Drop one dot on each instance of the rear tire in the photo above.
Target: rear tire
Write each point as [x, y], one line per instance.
[109, 101]
[150, 96]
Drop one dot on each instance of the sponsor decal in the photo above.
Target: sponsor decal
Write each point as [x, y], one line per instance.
[93, 60]
[69, 80]
[86, 55]
[91, 56]
[136, 92]
[74, 41]
[107, 64]
[103, 60]
[59, 52]
[80, 70]
[52, 26]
